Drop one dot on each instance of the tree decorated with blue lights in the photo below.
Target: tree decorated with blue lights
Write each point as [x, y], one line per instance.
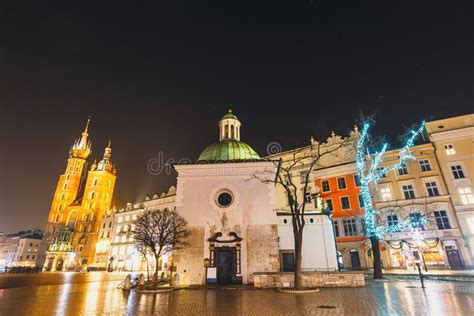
[370, 169]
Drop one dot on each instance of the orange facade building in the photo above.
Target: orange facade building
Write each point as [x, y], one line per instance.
[338, 187]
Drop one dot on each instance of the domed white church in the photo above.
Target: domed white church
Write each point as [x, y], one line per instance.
[237, 227]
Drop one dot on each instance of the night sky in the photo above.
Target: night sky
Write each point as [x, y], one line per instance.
[158, 78]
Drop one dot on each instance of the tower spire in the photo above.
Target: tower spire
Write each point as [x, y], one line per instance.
[87, 125]
[82, 146]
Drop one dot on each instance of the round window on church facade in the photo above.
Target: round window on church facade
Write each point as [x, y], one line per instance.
[224, 199]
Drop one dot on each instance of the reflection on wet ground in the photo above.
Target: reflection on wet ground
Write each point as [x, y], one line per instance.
[97, 293]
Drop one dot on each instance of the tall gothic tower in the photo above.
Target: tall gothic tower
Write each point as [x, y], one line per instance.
[81, 199]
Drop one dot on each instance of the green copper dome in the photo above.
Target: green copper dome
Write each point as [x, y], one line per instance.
[228, 150]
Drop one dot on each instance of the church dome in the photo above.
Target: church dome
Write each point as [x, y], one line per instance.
[229, 147]
[228, 150]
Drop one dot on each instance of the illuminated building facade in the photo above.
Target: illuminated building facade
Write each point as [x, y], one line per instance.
[453, 139]
[417, 190]
[83, 196]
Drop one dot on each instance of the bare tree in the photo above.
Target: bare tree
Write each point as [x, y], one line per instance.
[302, 162]
[159, 231]
[370, 169]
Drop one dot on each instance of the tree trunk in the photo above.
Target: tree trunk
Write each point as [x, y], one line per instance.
[147, 269]
[377, 258]
[155, 277]
[298, 261]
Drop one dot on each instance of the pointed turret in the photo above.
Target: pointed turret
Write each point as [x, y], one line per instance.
[82, 147]
[106, 164]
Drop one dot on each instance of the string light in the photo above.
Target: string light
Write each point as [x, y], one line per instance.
[369, 171]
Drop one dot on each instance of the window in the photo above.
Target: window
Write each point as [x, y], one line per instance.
[416, 218]
[110, 224]
[106, 197]
[33, 256]
[108, 234]
[27, 257]
[329, 204]
[386, 194]
[432, 188]
[102, 235]
[134, 217]
[341, 183]
[361, 201]
[103, 226]
[382, 173]
[94, 182]
[350, 227]
[403, 170]
[120, 219]
[442, 219]
[466, 195]
[470, 223]
[345, 204]
[325, 186]
[117, 230]
[357, 180]
[92, 195]
[392, 220]
[124, 239]
[127, 218]
[425, 165]
[363, 226]
[449, 148]
[336, 228]
[307, 197]
[408, 191]
[303, 177]
[65, 186]
[287, 261]
[457, 171]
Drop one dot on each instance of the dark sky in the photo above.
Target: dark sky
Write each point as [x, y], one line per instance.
[158, 78]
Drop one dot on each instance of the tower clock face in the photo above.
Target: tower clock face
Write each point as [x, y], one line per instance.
[224, 199]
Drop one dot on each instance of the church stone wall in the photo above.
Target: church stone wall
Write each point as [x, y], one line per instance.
[189, 260]
[262, 250]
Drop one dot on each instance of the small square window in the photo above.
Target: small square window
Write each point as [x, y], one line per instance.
[386, 194]
[457, 171]
[432, 189]
[392, 220]
[345, 204]
[382, 172]
[341, 183]
[403, 170]
[329, 204]
[442, 220]
[336, 228]
[325, 186]
[357, 180]
[449, 148]
[425, 165]
[408, 191]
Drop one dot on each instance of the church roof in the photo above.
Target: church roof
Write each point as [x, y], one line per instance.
[228, 150]
[229, 115]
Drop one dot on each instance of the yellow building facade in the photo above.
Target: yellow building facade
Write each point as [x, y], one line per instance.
[453, 139]
[82, 198]
[417, 190]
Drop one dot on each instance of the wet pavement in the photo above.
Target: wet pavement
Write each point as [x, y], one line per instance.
[97, 294]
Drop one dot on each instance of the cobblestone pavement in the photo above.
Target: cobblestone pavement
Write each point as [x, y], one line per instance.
[96, 294]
